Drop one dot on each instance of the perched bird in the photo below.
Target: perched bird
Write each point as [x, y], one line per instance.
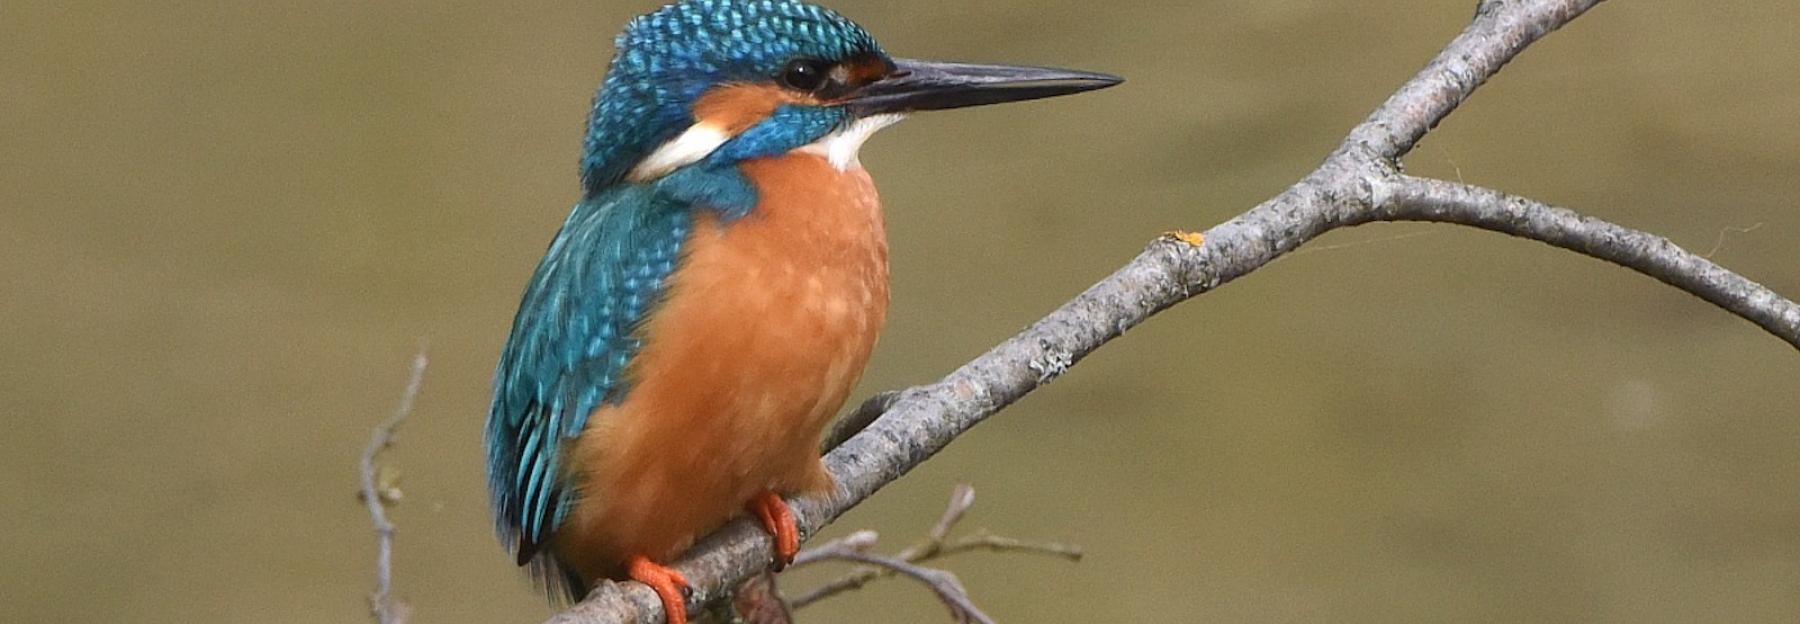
[715, 293]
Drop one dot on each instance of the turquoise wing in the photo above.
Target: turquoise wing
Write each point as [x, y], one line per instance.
[573, 337]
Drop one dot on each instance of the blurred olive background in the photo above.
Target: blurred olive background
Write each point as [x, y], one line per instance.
[225, 228]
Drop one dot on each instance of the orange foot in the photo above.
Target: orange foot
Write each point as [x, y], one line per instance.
[778, 520]
[669, 585]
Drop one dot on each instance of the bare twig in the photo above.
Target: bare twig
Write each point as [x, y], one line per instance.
[934, 546]
[862, 540]
[942, 582]
[983, 540]
[962, 497]
[1360, 182]
[377, 495]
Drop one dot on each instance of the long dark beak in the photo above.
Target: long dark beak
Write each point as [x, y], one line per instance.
[926, 85]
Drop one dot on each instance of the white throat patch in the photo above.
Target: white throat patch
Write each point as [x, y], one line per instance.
[842, 147]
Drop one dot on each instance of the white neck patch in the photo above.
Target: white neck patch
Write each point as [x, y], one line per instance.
[696, 143]
[842, 147]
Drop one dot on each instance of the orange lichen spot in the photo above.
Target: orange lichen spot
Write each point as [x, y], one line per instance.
[1192, 238]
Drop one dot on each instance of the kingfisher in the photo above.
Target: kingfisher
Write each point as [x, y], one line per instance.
[712, 298]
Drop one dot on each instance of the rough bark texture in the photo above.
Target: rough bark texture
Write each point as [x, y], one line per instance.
[1359, 183]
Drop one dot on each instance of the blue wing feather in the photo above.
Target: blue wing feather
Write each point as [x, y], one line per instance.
[573, 337]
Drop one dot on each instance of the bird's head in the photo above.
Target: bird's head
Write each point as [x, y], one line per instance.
[721, 81]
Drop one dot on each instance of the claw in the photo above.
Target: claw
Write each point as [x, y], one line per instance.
[778, 520]
[670, 586]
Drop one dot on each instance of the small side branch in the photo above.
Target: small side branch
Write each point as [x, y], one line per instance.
[1406, 198]
[936, 545]
[378, 492]
[856, 548]
[948, 589]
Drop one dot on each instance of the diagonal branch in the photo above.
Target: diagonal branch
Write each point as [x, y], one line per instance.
[1500, 31]
[1358, 183]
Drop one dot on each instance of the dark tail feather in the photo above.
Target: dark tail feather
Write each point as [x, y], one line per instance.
[560, 582]
[573, 587]
[526, 551]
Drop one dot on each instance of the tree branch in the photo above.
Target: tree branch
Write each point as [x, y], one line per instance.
[1358, 183]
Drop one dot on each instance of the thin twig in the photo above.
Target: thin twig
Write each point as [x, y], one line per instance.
[376, 497]
[861, 540]
[934, 546]
[962, 497]
[942, 582]
[983, 540]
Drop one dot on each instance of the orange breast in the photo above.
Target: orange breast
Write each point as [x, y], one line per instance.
[767, 324]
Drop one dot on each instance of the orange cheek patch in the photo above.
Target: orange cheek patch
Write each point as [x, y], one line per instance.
[735, 107]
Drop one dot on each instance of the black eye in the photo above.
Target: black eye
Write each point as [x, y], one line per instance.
[806, 75]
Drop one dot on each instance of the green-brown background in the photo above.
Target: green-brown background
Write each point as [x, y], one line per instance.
[225, 227]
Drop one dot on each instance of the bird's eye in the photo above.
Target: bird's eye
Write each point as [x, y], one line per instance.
[806, 75]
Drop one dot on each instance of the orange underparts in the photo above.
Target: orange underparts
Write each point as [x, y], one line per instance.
[778, 520]
[760, 335]
[669, 585]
